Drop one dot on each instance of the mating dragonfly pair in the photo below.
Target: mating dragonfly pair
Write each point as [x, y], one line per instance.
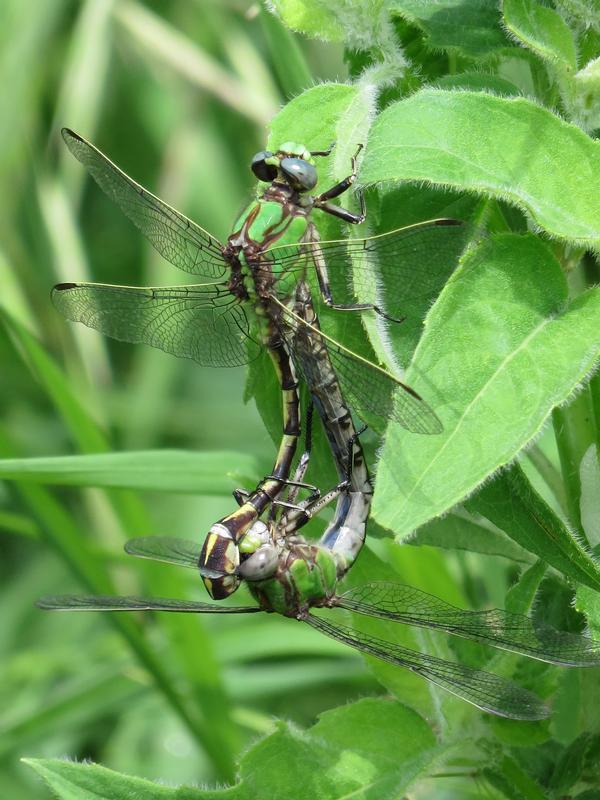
[259, 296]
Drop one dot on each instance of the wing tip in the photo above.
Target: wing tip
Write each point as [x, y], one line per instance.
[63, 287]
[449, 221]
[68, 134]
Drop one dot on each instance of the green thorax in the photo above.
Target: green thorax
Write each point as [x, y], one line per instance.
[268, 223]
[306, 578]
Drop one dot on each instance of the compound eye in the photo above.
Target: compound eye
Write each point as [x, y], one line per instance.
[261, 564]
[262, 170]
[300, 174]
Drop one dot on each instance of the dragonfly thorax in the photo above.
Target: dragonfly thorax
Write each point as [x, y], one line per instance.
[305, 577]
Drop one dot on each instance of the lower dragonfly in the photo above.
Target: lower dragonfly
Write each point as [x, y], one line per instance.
[292, 576]
[249, 304]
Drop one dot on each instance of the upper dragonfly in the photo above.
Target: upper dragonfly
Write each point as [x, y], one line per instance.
[274, 242]
[252, 298]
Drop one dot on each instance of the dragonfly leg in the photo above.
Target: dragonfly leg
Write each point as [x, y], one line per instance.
[325, 289]
[323, 152]
[340, 188]
[297, 515]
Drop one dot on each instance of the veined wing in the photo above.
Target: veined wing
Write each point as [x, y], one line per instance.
[495, 627]
[74, 602]
[203, 322]
[168, 549]
[178, 239]
[482, 689]
[364, 384]
[409, 263]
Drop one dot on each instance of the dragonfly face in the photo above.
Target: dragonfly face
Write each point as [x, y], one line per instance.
[292, 164]
[225, 560]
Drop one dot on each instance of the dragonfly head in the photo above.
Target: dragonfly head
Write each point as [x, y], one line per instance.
[224, 562]
[292, 164]
[219, 561]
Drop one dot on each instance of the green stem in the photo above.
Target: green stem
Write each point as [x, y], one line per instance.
[549, 474]
[575, 431]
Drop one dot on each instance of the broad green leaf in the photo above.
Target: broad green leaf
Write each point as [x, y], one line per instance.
[317, 118]
[513, 505]
[180, 471]
[460, 531]
[373, 749]
[500, 349]
[508, 148]
[542, 30]
[312, 17]
[473, 27]
[361, 25]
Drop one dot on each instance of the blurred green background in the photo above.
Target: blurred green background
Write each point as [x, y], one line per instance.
[179, 94]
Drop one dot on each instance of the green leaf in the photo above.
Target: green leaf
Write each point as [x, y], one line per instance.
[470, 26]
[312, 17]
[518, 782]
[460, 531]
[373, 749]
[520, 596]
[499, 350]
[569, 767]
[151, 470]
[508, 148]
[542, 30]
[83, 428]
[286, 55]
[511, 503]
[478, 82]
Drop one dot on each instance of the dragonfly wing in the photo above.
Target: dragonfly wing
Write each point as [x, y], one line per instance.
[203, 322]
[169, 549]
[494, 627]
[409, 265]
[178, 239]
[364, 384]
[73, 602]
[482, 689]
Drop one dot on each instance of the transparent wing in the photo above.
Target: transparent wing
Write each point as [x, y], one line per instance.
[482, 689]
[203, 322]
[73, 602]
[169, 549]
[409, 263]
[364, 384]
[178, 239]
[494, 627]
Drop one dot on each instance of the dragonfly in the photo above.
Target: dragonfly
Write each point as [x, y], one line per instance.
[301, 579]
[256, 298]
